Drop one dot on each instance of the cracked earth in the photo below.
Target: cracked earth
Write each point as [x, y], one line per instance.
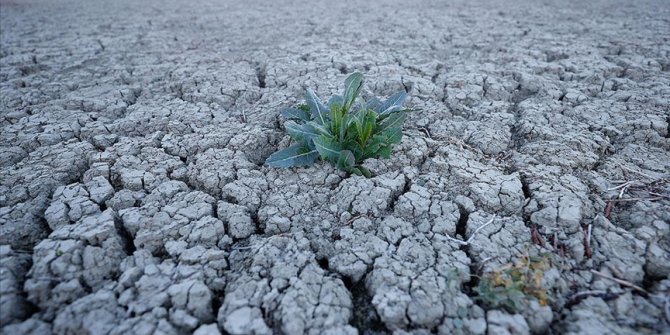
[134, 199]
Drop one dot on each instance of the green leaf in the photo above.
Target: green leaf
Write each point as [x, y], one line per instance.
[373, 104]
[367, 126]
[355, 148]
[365, 172]
[393, 135]
[385, 151]
[356, 117]
[352, 86]
[328, 148]
[343, 126]
[319, 111]
[321, 129]
[394, 120]
[295, 155]
[346, 160]
[372, 148]
[295, 114]
[335, 100]
[393, 103]
[392, 109]
[303, 133]
[355, 171]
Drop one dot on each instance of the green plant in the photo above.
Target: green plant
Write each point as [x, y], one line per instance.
[344, 132]
[511, 286]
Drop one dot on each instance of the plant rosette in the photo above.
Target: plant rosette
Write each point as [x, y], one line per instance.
[345, 132]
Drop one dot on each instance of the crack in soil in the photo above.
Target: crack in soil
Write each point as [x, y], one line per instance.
[365, 318]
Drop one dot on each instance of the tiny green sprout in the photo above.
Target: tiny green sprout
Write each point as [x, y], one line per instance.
[344, 132]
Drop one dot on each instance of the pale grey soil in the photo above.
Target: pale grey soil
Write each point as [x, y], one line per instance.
[134, 199]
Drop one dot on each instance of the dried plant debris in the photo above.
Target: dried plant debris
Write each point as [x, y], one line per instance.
[513, 285]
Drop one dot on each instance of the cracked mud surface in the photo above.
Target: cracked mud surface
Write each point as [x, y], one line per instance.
[133, 198]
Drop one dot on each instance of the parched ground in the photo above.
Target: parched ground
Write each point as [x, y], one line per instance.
[134, 199]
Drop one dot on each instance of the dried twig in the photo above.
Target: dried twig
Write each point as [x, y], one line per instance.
[354, 218]
[659, 195]
[21, 251]
[620, 281]
[586, 294]
[243, 248]
[608, 209]
[243, 117]
[637, 172]
[637, 199]
[626, 184]
[623, 190]
[646, 185]
[461, 242]
[425, 131]
[472, 237]
[493, 218]
[587, 239]
[486, 260]
[536, 237]
[263, 243]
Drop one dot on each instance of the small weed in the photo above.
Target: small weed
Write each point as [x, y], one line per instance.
[343, 132]
[511, 286]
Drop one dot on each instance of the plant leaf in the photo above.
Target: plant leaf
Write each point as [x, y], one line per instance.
[357, 117]
[368, 124]
[385, 151]
[303, 133]
[321, 129]
[393, 103]
[373, 146]
[335, 100]
[346, 160]
[392, 109]
[352, 86]
[319, 111]
[365, 172]
[295, 155]
[295, 114]
[356, 149]
[373, 104]
[328, 148]
[344, 125]
[394, 120]
[393, 135]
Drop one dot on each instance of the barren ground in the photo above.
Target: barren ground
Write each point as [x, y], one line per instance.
[134, 199]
